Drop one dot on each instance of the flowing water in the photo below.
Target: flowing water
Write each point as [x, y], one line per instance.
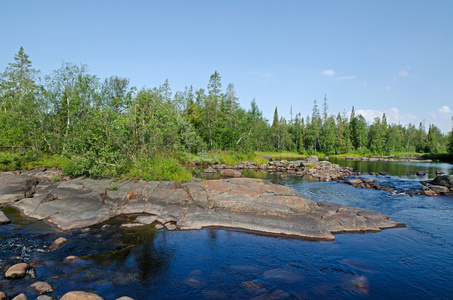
[415, 262]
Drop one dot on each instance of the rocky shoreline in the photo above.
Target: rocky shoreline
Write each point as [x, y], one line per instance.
[326, 171]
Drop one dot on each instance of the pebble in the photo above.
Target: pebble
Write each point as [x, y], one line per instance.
[42, 287]
[58, 243]
[20, 297]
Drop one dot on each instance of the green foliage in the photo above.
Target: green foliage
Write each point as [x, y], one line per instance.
[113, 187]
[159, 167]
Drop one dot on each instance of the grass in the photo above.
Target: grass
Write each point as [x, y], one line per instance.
[224, 157]
[9, 161]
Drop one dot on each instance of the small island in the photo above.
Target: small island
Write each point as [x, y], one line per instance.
[239, 203]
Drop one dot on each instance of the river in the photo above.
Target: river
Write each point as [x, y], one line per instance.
[415, 262]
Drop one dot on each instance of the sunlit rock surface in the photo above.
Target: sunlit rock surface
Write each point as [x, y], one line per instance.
[242, 203]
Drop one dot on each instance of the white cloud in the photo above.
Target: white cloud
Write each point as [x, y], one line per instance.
[264, 74]
[347, 77]
[388, 88]
[393, 116]
[445, 110]
[329, 72]
[442, 118]
[403, 73]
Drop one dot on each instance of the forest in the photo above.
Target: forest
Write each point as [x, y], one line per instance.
[107, 128]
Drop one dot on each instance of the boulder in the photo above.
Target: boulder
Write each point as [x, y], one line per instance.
[420, 173]
[20, 297]
[230, 173]
[45, 297]
[42, 287]
[58, 243]
[440, 189]
[4, 219]
[444, 180]
[17, 271]
[2, 296]
[79, 295]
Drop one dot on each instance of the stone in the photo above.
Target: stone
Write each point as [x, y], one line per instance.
[230, 173]
[159, 226]
[209, 170]
[438, 189]
[42, 287]
[2, 296]
[21, 297]
[429, 192]
[17, 271]
[124, 298]
[420, 173]
[45, 297]
[4, 219]
[58, 243]
[146, 219]
[444, 180]
[170, 226]
[30, 188]
[79, 295]
[71, 258]
[132, 225]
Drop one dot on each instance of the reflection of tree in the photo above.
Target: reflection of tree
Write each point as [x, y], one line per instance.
[144, 255]
[212, 237]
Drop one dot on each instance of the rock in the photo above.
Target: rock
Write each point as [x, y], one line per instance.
[42, 287]
[159, 226]
[283, 275]
[79, 295]
[146, 219]
[71, 258]
[132, 225]
[444, 180]
[312, 159]
[439, 173]
[230, 173]
[438, 189]
[2, 296]
[420, 173]
[170, 226]
[429, 192]
[17, 271]
[20, 297]
[354, 182]
[276, 294]
[269, 158]
[210, 170]
[124, 298]
[4, 219]
[58, 243]
[254, 287]
[45, 297]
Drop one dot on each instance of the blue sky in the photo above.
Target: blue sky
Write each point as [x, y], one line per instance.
[378, 56]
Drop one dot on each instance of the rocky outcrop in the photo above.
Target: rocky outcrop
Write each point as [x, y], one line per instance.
[444, 180]
[242, 203]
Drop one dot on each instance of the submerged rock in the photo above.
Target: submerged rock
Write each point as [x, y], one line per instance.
[2, 296]
[230, 173]
[21, 297]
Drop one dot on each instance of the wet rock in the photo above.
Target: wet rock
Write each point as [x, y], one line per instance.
[230, 173]
[210, 170]
[146, 219]
[276, 294]
[4, 219]
[283, 275]
[420, 173]
[429, 192]
[71, 258]
[439, 173]
[20, 297]
[159, 226]
[42, 287]
[254, 287]
[441, 190]
[58, 243]
[2, 296]
[17, 271]
[124, 298]
[444, 180]
[79, 295]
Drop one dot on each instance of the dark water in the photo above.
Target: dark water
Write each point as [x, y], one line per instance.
[414, 262]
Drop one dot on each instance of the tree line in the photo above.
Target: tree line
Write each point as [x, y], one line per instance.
[109, 125]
